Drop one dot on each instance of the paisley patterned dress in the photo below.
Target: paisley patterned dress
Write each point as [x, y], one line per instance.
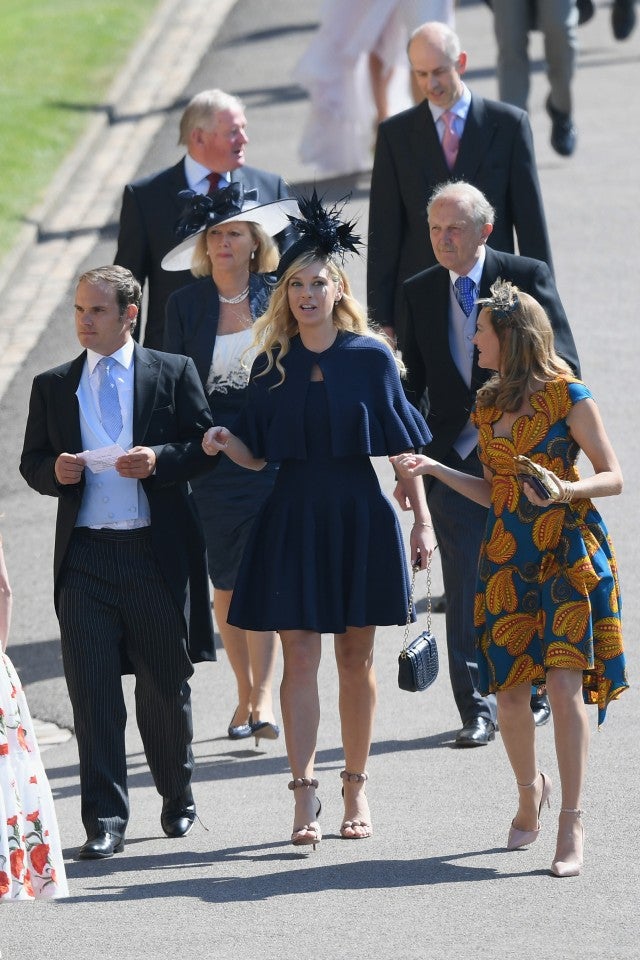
[548, 592]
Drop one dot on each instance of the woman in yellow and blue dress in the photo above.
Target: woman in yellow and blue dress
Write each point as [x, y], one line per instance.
[548, 607]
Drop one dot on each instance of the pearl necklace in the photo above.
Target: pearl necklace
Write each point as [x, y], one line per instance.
[238, 299]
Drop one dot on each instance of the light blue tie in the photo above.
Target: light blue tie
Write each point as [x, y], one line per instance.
[108, 399]
[465, 293]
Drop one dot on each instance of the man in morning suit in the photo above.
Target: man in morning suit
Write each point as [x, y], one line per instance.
[130, 573]
[442, 379]
[489, 144]
[213, 128]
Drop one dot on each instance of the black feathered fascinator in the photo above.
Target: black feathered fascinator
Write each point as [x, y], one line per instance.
[321, 229]
[231, 203]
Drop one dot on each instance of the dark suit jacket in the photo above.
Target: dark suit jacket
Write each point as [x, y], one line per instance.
[433, 381]
[192, 318]
[496, 155]
[170, 415]
[150, 210]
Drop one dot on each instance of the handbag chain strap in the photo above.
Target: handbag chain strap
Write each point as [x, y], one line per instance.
[414, 570]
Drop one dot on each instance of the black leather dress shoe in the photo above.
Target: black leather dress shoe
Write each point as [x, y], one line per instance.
[623, 18]
[101, 846]
[476, 733]
[178, 815]
[586, 10]
[540, 709]
[563, 132]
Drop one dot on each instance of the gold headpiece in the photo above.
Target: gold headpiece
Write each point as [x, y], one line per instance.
[503, 300]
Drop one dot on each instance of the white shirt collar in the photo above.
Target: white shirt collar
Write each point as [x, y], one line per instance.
[460, 107]
[476, 270]
[195, 173]
[124, 356]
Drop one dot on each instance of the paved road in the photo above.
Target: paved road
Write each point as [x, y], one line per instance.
[435, 880]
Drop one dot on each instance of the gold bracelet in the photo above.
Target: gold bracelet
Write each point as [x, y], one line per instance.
[567, 492]
[423, 523]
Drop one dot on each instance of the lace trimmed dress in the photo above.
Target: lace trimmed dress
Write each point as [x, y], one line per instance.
[229, 498]
[326, 550]
[31, 864]
[548, 592]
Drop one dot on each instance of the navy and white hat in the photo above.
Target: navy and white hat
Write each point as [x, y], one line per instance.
[233, 203]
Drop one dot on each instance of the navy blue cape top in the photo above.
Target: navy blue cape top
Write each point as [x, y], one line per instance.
[369, 413]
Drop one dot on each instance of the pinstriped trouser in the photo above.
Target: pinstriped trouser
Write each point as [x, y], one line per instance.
[113, 601]
[459, 525]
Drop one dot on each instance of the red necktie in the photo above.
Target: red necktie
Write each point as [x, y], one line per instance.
[214, 180]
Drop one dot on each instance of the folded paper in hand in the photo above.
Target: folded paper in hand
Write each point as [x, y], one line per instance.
[103, 458]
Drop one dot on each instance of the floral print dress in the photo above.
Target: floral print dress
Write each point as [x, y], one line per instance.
[548, 592]
[31, 864]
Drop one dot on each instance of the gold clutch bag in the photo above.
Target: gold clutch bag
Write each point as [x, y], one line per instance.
[542, 480]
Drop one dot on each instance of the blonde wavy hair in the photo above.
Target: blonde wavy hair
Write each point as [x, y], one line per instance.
[265, 260]
[274, 330]
[527, 354]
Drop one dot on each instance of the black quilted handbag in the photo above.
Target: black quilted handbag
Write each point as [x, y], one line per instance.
[418, 660]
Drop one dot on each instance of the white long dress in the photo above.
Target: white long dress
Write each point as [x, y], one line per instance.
[31, 863]
[339, 131]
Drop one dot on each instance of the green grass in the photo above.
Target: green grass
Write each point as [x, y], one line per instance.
[58, 59]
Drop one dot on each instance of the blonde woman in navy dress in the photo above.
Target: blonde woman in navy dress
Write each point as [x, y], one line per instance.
[325, 554]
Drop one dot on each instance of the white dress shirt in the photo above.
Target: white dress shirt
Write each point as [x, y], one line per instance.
[109, 500]
[460, 109]
[461, 333]
[197, 176]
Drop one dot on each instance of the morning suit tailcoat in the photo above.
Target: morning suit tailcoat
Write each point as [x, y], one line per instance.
[150, 210]
[496, 155]
[170, 415]
[192, 318]
[433, 380]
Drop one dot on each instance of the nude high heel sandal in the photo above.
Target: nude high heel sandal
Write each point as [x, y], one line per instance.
[571, 863]
[309, 834]
[355, 829]
[522, 838]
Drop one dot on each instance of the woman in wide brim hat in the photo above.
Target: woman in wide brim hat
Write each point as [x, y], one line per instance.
[229, 248]
[231, 203]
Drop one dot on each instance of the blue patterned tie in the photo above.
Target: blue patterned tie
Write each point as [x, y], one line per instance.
[108, 398]
[465, 293]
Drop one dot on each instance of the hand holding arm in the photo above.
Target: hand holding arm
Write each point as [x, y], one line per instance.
[409, 465]
[422, 539]
[219, 438]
